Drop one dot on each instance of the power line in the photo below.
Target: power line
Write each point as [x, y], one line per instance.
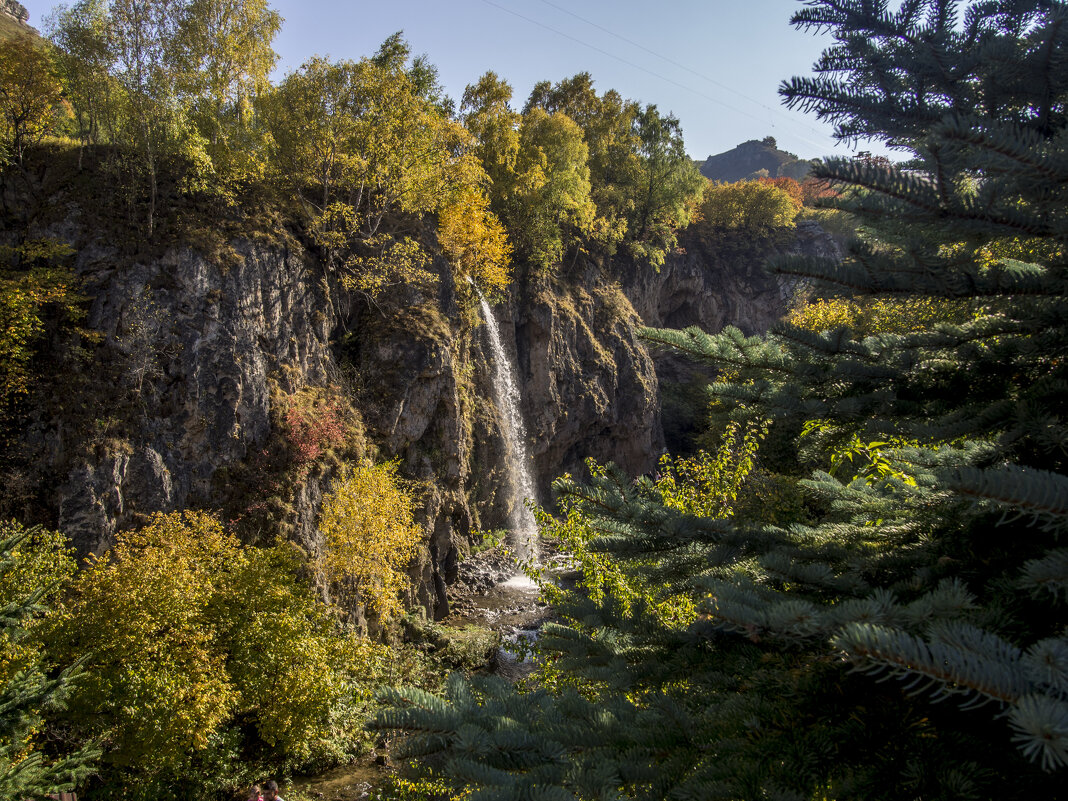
[681, 66]
[631, 64]
[619, 58]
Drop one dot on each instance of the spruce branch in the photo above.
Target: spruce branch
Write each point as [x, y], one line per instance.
[1040, 494]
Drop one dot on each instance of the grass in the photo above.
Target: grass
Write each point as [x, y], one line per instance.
[9, 29]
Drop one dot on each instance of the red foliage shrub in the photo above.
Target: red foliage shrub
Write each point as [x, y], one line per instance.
[312, 427]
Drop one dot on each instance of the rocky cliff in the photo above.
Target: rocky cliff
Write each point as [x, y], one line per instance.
[179, 405]
[713, 282]
[188, 347]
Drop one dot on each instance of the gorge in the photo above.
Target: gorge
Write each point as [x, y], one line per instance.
[233, 343]
[284, 356]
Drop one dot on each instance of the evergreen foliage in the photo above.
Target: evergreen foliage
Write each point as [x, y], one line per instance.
[935, 565]
[29, 572]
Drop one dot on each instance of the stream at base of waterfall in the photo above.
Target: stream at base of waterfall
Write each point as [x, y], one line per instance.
[491, 590]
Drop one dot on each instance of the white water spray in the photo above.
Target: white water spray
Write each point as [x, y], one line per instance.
[523, 530]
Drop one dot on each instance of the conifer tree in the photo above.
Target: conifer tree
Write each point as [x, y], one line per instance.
[909, 641]
[25, 692]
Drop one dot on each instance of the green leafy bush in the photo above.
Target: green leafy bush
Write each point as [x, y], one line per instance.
[195, 647]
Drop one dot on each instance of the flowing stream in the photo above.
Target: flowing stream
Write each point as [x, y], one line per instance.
[522, 529]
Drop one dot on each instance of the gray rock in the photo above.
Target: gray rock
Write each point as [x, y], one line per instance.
[198, 341]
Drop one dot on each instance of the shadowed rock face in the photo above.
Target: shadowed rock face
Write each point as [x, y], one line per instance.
[714, 284]
[198, 343]
[589, 385]
[194, 345]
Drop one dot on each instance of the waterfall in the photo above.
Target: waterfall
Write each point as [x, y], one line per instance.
[523, 531]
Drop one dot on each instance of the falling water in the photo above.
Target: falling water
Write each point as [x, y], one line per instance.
[523, 530]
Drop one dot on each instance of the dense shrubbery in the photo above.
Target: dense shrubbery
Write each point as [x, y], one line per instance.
[187, 637]
[751, 206]
[203, 662]
[879, 315]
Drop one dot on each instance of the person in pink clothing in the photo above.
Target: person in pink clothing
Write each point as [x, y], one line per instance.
[255, 793]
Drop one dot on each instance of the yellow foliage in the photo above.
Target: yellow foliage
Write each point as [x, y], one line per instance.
[548, 198]
[867, 316]
[30, 95]
[748, 205]
[397, 261]
[183, 631]
[24, 296]
[1026, 249]
[154, 679]
[425, 789]
[708, 484]
[359, 145]
[285, 654]
[40, 561]
[475, 242]
[369, 536]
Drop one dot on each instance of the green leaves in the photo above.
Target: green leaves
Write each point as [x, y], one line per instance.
[30, 95]
[33, 564]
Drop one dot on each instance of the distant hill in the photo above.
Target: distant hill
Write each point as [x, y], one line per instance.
[749, 159]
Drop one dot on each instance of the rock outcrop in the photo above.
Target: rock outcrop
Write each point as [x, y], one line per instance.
[713, 283]
[195, 351]
[720, 282]
[754, 158]
[15, 10]
[191, 347]
[589, 385]
[191, 343]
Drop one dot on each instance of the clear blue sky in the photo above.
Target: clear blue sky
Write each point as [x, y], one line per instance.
[716, 64]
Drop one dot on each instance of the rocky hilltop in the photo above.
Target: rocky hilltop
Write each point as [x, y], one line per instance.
[754, 159]
[15, 11]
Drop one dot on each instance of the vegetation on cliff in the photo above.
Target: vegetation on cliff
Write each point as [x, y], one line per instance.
[142, 126]
[845, 516]
[903, 633]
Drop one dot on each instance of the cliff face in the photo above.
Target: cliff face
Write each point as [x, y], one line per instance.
[195, 353]
[589, 385]
[191, 344]
[713, 283]
[716, 283]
